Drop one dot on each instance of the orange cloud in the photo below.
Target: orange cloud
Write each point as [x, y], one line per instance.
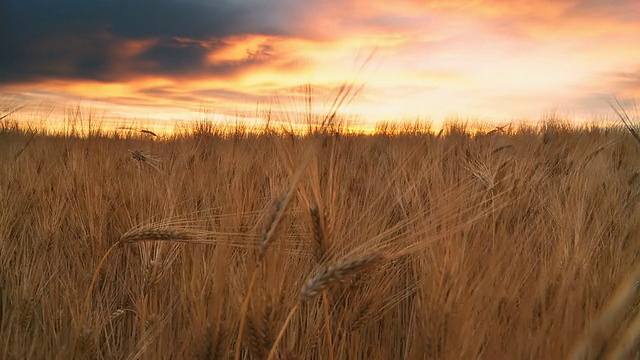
[436, 58]
[239, 48]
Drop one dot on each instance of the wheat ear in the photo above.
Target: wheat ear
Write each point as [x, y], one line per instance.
[337, 273]
[127, 238]
[269, 236]
[150, 234]
[320, 244]
[323, 279]
[273, 225]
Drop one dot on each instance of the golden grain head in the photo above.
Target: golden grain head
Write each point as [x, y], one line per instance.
[338, 272]
[157, 235]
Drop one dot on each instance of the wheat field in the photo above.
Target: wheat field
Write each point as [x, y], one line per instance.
[513, 244]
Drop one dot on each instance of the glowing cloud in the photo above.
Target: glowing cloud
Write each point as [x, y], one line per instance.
[493, 59]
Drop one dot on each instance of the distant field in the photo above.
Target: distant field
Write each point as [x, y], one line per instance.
[514, 244]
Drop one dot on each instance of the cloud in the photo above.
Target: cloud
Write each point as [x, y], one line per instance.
[622, 10]
[544, 20]
[541, 10]
[171, 57]
[625, 84]
[83, 39]
[71, 39]
[434, 55]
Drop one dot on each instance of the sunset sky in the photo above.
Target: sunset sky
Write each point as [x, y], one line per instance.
[166, 60]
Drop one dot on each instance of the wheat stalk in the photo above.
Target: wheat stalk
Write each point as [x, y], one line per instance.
[324, 278]
[273, 225]
[268, 237]
[630, 341]
[592, 341]
[141, 234]
[320, 249]
[89, 344]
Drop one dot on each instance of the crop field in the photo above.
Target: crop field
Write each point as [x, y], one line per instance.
[518, 243]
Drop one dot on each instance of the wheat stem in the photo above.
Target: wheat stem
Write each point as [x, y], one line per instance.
[592, 342]
[327, 323]
[630, 341]
[243, 313]
[87, 298]
[274, 347]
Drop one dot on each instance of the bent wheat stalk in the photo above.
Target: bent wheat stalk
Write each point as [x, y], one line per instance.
[269, 236]
[324, 278]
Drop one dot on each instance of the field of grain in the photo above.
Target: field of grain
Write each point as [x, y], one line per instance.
[515, 244]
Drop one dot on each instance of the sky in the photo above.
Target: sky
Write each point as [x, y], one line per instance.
[170, 60]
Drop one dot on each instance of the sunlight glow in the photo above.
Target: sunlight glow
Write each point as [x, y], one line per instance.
[490, 59]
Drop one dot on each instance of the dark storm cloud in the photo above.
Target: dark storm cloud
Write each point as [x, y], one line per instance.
[84, 39]
[170, 56]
